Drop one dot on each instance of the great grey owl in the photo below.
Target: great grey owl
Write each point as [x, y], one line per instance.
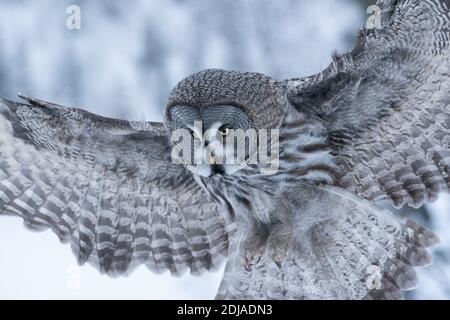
[371, 129]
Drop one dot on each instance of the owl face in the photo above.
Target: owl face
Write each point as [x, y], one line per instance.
[215, 118]
[213, 140]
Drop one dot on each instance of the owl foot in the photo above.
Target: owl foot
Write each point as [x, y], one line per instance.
[279, 243]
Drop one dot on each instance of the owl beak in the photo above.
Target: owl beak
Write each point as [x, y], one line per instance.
[216, 169]
[212, 160]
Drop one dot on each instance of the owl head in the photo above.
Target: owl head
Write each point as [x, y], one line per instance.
[217, 118]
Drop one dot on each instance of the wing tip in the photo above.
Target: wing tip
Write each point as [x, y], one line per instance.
[11, 105]
[37, 102]
[26, 98]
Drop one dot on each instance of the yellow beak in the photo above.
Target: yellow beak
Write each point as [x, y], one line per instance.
[212, 160]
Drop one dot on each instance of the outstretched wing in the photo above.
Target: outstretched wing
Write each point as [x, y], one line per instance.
[337, 247]
[386, 104]
[108, 187]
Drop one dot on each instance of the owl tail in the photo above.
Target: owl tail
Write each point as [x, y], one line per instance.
[329, 244]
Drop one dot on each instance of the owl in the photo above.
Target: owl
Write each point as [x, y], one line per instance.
[297, 204]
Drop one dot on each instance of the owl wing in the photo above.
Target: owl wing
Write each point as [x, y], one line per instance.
[339, 247]
[386, 104]
[108, 187]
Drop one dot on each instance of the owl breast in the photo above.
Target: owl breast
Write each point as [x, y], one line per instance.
[305, 158]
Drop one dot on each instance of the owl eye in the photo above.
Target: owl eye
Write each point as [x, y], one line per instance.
[224, 131]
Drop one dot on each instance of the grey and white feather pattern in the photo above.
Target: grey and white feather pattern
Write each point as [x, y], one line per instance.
[386, 105]
[372, 128]
[109, 190]
[337, 246]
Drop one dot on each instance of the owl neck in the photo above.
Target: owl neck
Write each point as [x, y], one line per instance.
[243, 196]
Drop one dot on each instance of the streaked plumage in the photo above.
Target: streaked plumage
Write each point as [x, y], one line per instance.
[371, 128]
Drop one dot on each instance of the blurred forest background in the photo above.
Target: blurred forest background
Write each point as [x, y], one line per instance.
[122, 63]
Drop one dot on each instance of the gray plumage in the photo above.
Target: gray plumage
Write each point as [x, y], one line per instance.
[373, 127]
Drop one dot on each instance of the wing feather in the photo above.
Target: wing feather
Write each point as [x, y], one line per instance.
[334, 246]
[386, 104]
[109, 188]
